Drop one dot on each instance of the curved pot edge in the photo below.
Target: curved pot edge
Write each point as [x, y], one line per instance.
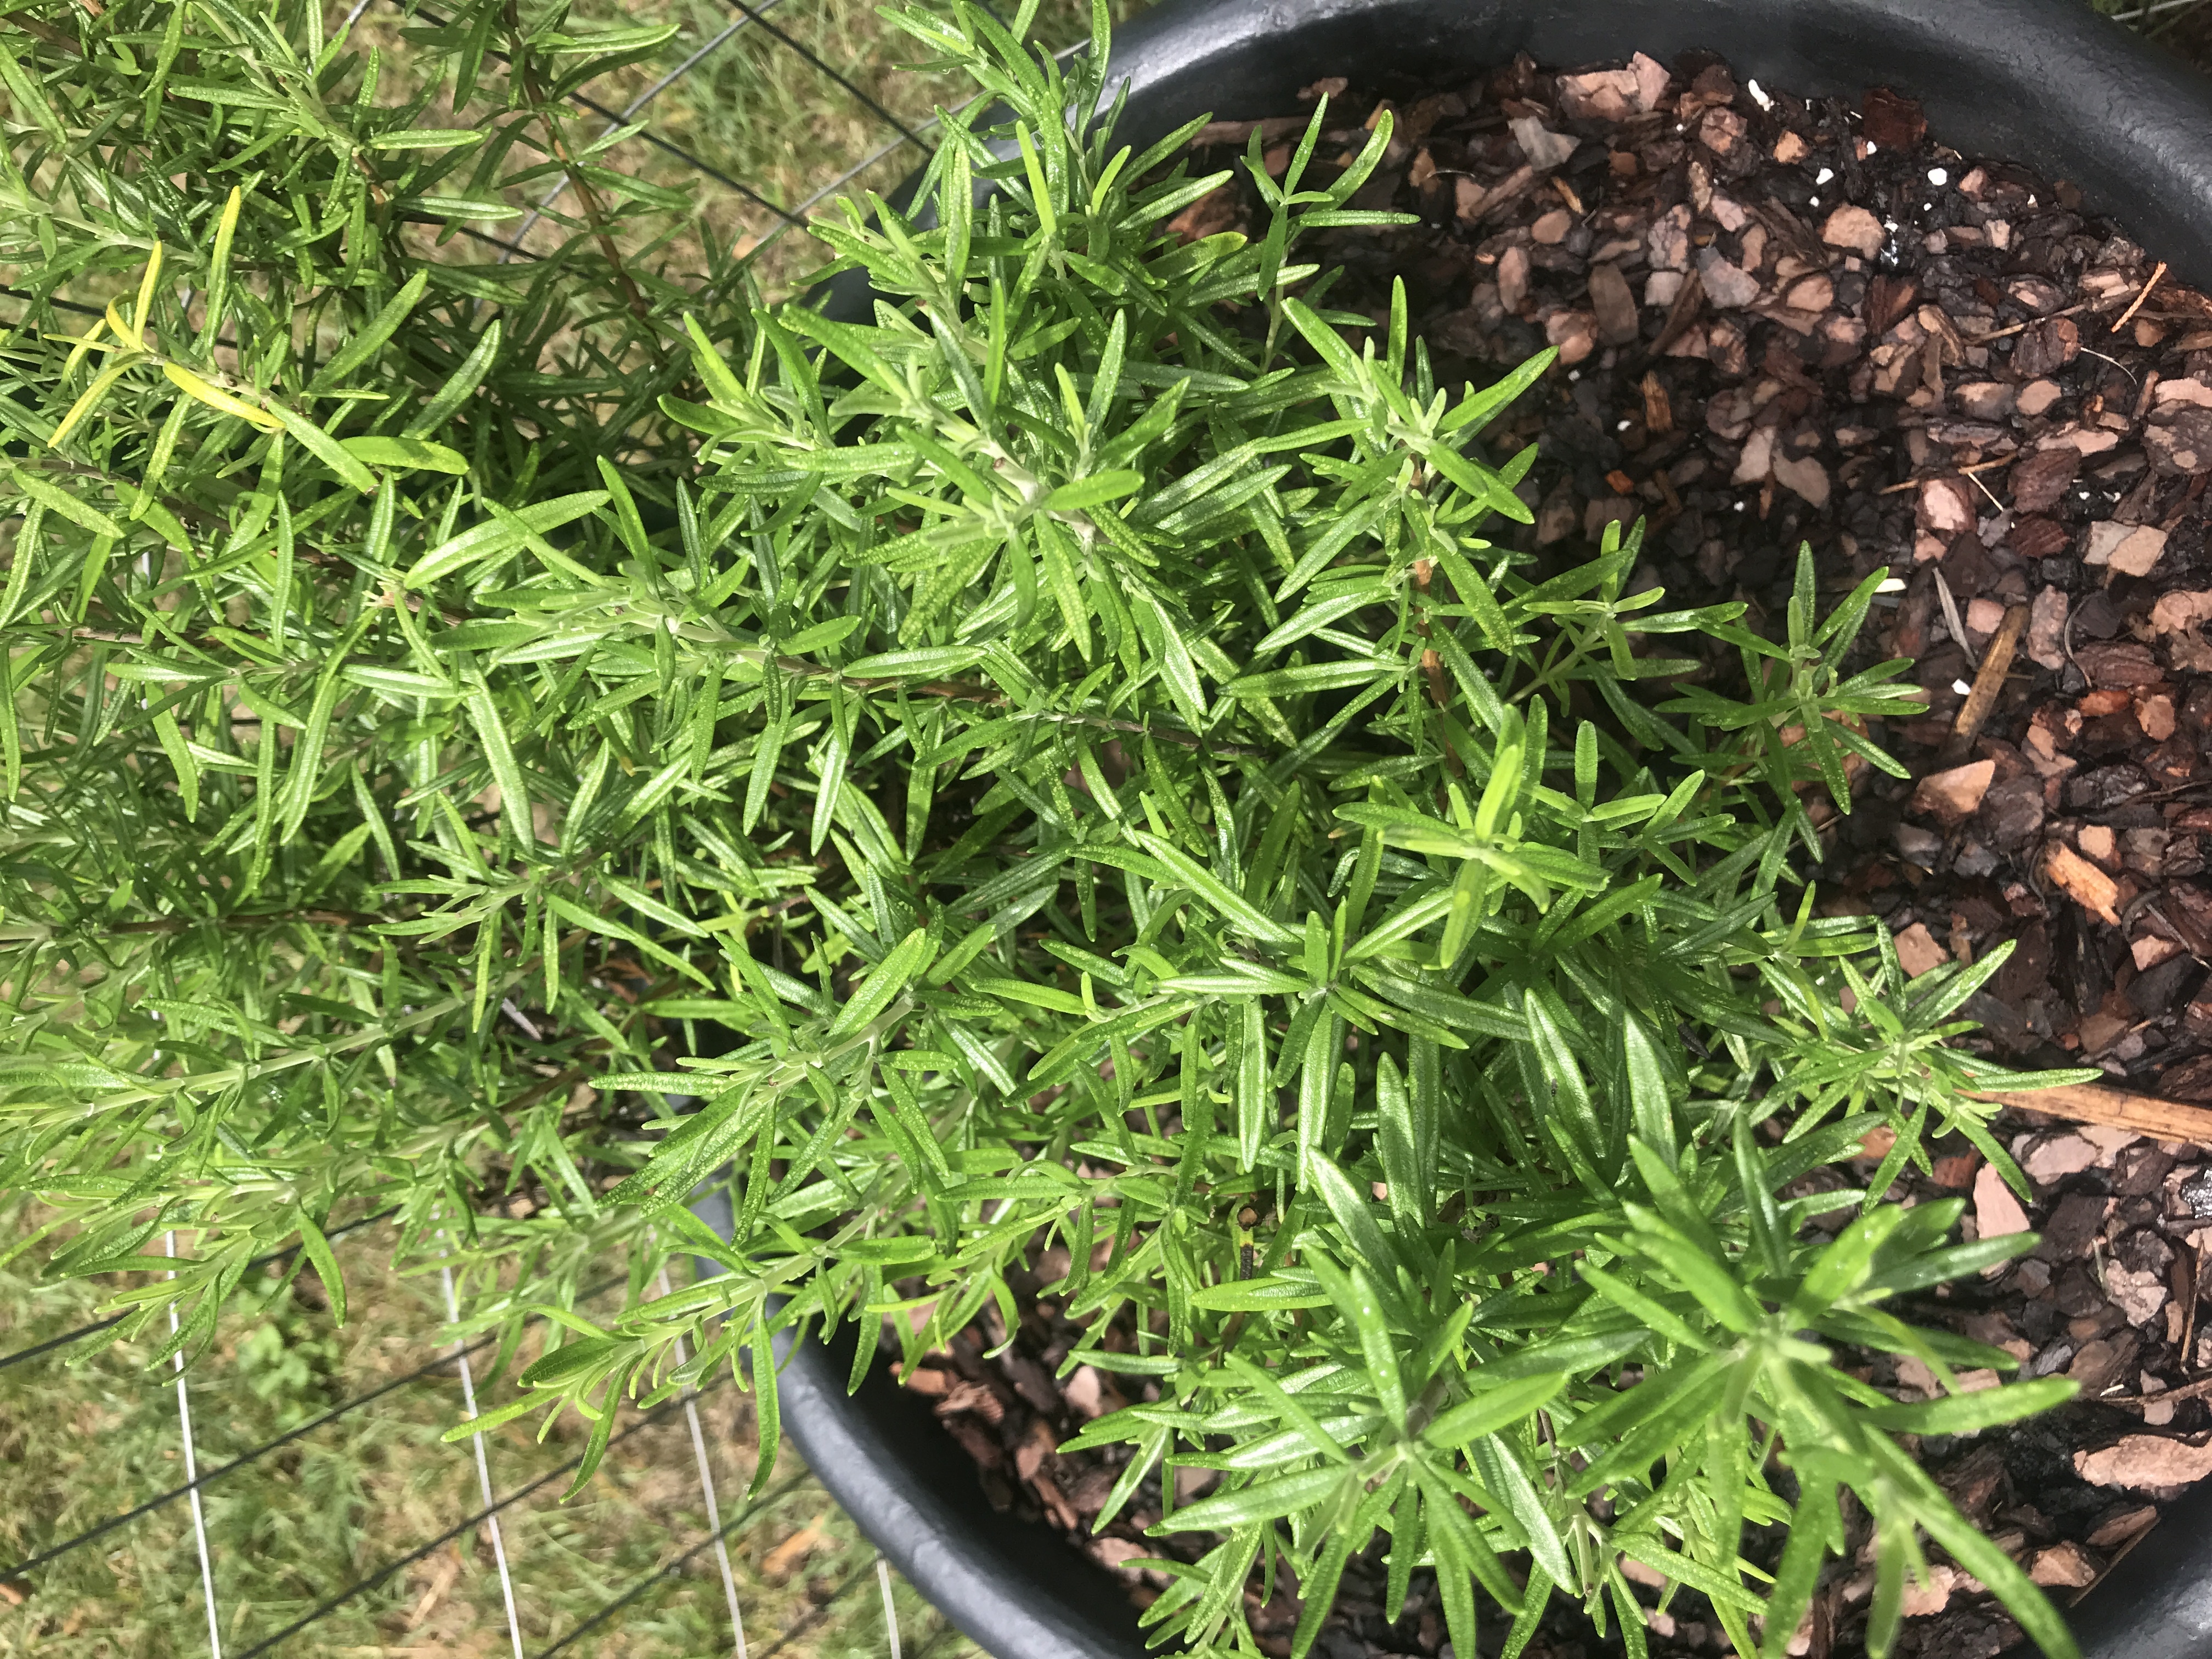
[1990, 74]
[2146, 163]
[1018, 1590]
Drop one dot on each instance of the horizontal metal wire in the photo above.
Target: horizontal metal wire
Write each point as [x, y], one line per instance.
[104, 1528]
[814, 1615]
[868, 161]
[804, 52]
[363, 1585]
[773, 1495]
[53, 300]
[606, 113]
[99, 1325]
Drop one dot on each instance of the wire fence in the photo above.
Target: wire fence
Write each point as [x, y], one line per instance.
[772, 108]
[297, 1635]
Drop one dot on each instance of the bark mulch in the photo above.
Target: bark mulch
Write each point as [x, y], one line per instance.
[1782, 322]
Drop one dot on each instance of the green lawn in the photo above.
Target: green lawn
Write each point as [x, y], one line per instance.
[80, 1442]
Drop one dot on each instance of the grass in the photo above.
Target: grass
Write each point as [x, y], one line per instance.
[763, 103]
[799, 100]
[79, 1443]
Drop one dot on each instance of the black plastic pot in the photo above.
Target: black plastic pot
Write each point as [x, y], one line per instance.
[2042, 82]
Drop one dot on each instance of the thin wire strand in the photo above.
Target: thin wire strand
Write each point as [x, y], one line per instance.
[707, 1490]
[363, 1586]
[794, 221]
[484, 1464]
[809, 56]
[192, 1474]
[597, 108]
[807, 1621]
[685, 156]
[773, 1495]
[99, 1325]
[54, 299]
[2141, 12]
[104, 1528]
[629, 111]
[890, 1608]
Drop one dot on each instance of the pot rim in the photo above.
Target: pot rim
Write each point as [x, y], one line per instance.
[1988, 73]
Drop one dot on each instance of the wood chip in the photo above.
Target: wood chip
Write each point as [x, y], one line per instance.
[2109, 1107]
[2124, 1528]
[2065, 1565]
[1987, 684]
[2046, 628]
[2085, 883]
[1681, 314]
[2127, 548]
[2141, 1460]
[1917, 953]
[1853, 228]
[2177, 612]
[1996, 1211]
[1544, 149]
[2057, 1158]
[1614, 305]
[1803, 478]
[1727, 285]
[1956, 795]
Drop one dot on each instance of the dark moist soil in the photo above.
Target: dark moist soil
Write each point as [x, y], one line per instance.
[1782, 323]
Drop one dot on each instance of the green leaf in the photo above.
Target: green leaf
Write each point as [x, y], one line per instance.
[1495, 1409]
[885, 982]
[325, 449]
[317, 1248]
[1263, 1500]
[1231, 906]
[402, 454]
[924, 663]
[429, 138]
[1969, 1413]
[1357, 1299]
[1094, 491]
[498, 538]
[367, 340]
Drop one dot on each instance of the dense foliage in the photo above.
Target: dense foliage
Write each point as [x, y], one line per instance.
[1049, 760]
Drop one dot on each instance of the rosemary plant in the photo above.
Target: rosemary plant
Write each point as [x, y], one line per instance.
[1049, 760]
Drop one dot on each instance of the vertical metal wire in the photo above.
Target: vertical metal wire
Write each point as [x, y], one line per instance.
[707, 1490]
[484, 1466]
[891, 1612]
[192, 1475]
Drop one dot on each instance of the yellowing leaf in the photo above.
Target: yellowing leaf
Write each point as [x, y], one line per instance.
[219, 400]
[85, 405]
[147, 286]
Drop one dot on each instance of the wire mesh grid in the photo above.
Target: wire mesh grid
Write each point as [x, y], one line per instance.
[768, 111]
[293, 1492]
